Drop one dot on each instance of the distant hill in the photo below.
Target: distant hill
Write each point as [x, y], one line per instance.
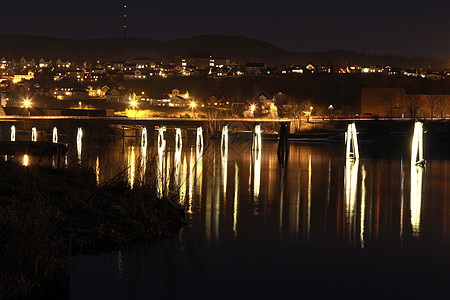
[238, 48]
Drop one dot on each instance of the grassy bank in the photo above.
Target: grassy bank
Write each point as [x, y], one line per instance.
[47, 214]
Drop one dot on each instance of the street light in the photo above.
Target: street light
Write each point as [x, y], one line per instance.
[252, 110]
[133, 105]
[27, 105]
[308, 113]
[193, 105]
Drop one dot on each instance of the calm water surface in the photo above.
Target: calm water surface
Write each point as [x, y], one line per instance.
[320, 226]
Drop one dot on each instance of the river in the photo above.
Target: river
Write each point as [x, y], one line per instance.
[317, 226]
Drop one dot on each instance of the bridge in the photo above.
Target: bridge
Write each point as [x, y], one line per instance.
[46, 123]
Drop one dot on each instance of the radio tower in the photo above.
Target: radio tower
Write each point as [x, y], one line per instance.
[124, 21]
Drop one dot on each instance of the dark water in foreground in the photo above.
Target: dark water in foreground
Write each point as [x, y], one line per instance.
[319, 227]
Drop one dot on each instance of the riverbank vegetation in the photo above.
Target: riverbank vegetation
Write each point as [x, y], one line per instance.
[47, 215]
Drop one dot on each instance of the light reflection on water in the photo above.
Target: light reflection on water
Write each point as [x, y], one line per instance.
[222, 185]
[416, 198]
[55, 135]
[79, 143]
[237, 198]
[351, 189]
[25, 160]
[248, 212]
[131, 166]
[143, 158]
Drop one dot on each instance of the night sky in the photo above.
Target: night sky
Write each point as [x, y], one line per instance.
[411, 28]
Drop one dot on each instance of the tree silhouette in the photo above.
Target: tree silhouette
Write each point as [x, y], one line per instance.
[414, 105]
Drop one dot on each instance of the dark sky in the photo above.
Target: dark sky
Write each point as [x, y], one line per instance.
[408, 28]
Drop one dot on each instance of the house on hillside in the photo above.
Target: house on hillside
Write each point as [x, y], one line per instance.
[21, 76]
[178, 99]
[45, 63]
[264, 102]
[62, 64]
[117, 94]
[98, 92]
[201, 61]
[255, 69]
[310, 68]
[142, 63]
[215, 102]
[76, 74]
[372, 69]
[4, 63]
[434, 76]
[297, 69]
[137, 74]
[70, 93]
[24, 63]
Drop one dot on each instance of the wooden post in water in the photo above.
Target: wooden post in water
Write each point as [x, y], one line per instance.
[224, 139]
[199, 141]
[283, 143]
[417, 146]
[256, 137]
[178, 139]
[123, 139]
[351, 142]
[13, 133]
[33, 134]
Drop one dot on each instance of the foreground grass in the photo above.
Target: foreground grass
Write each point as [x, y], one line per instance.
[48, 214]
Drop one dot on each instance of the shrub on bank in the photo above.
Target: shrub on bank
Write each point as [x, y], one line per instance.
[48, 214]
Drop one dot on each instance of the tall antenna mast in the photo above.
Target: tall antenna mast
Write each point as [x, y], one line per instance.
[124, 21]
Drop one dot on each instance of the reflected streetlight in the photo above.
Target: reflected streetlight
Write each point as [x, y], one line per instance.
[416, 198]
[25, 160]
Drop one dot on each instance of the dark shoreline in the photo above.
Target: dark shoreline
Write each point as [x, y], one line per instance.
[48, 215]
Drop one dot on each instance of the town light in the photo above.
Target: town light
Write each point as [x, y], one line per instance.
[133, 104]
[193, 105]
[26, 103]
[253, 108]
